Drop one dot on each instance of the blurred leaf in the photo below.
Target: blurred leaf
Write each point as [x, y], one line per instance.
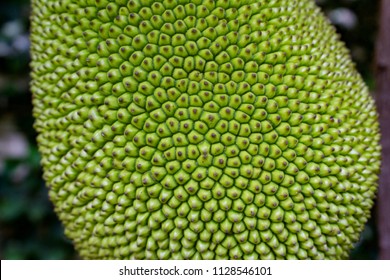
[37, 211]
[11, 208]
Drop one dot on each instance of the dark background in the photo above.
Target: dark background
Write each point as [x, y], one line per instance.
[29, 228]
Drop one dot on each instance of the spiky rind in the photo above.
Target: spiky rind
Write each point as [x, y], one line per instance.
[202, 129]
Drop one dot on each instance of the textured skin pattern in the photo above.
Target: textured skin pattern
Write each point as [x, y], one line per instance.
[202, 129]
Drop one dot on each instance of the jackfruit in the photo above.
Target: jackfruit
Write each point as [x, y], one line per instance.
[206, 129]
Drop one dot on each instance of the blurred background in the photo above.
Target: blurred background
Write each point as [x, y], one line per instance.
[29, 228]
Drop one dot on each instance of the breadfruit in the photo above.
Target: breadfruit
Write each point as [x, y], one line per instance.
[206, 129]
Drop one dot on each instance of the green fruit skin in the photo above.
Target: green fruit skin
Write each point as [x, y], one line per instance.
[207, 129]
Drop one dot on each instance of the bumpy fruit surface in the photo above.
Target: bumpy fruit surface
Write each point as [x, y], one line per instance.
[202, 129]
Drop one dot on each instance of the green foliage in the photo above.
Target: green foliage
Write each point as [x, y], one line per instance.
[30, 229]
